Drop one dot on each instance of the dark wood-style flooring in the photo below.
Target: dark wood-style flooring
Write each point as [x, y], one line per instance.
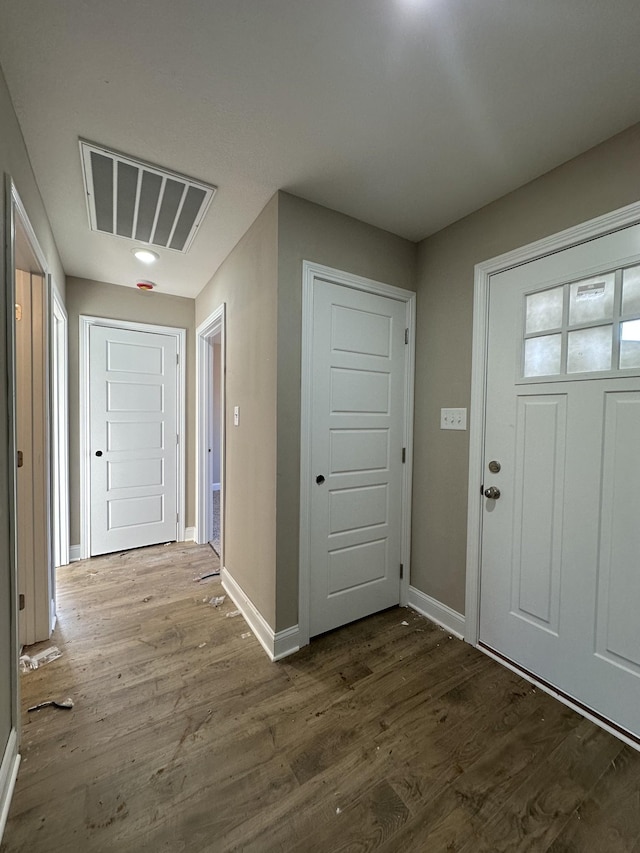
[380, 736]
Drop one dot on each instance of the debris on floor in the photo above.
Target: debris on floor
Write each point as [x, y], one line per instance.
[217, 600]
[406, 624]
[64, 704]
[147, 598]
[231, 614]
[31, 662]
[214, 574]
[245, 635]
[202, 645]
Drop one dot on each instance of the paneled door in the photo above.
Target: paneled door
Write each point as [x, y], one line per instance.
[133, 438]
[357, 412]
[560, 580]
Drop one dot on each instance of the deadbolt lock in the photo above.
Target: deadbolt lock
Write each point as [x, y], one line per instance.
[494, 466]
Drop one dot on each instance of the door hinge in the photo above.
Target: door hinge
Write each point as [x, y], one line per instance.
[177, 358]
[177, 439]
[177, 517]
[406, 336]
[21, 601]
[404, 454]
[401, 571]
[482, 489]
[20, 461]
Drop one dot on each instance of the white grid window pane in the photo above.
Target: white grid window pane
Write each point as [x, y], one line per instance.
[631, 291]
[544, 310]
[630, 344]
[589, 350]
[592, 299]
[542, 355]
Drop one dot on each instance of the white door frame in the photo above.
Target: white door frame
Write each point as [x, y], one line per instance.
[86, 322]
[60, 426]
[215, 324]
[597, 227]
[311, 271]
[10, 760]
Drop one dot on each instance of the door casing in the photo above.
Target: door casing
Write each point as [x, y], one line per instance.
[60, 433]
[311, 271]
[214, 325]
[598, 227]
[85, 435]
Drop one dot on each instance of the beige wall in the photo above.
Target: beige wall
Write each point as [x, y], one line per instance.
[247, 283]
[98, 299]
[308, 232]
[14, 161]
[603, 179]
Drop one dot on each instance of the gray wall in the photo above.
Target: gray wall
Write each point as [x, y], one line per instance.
[308, 232]
[98, 299]
[14, 161]
[603, 179]
[247, 283]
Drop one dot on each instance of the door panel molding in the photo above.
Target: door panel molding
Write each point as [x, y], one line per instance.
[311, 272]
[593, 228]
[86, 322]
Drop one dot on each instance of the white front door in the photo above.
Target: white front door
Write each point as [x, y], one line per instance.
[133, 438]
[357, 412]
[560, 582]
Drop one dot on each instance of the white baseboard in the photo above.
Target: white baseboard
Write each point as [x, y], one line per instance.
[437, 612]
[190, 534]
[278, 644]
[8, 774]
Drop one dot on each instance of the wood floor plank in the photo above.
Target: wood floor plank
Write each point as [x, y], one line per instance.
[387, 735]
[606, 819]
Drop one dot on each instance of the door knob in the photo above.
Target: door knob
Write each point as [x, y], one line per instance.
[320, 479]
[493, 493]
[98, 453]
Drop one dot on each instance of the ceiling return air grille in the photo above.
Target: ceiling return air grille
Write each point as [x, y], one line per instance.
[128, 198]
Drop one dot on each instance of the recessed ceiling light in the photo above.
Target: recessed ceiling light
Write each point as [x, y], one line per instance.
[146, 255]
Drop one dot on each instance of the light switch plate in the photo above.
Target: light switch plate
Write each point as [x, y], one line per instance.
[453, 418]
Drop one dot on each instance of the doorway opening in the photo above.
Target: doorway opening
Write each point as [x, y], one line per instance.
[215, 440]
[59, 430]
[36, 579]
[210, 372]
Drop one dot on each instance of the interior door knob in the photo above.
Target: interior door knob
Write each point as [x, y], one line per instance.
[320, 479]
[492, 492]
[98, 453]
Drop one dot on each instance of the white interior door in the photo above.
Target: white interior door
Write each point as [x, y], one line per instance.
[133, 435]
[357, 414]
[560, 585]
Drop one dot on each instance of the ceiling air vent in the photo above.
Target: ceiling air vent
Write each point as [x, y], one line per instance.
[132, 199]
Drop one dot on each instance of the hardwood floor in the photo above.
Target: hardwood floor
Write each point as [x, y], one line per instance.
[380, 736]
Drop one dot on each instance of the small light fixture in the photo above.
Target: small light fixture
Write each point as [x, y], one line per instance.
[145, 285]
[146, 255]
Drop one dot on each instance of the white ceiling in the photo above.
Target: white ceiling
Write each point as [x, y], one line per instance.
[407, 114]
